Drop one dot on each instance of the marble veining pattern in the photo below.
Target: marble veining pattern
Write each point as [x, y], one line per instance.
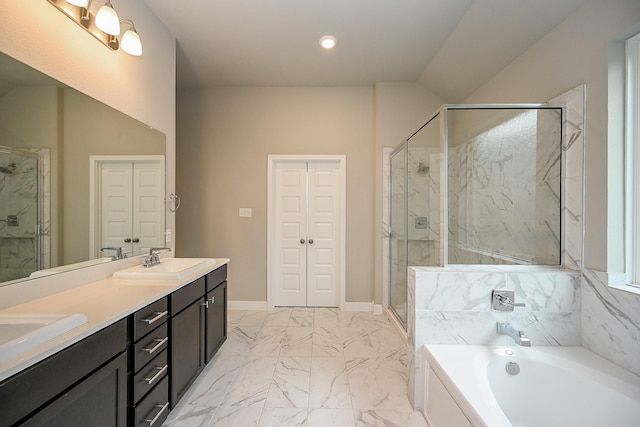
[353, 373]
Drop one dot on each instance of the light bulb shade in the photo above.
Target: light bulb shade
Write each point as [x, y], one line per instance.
[79, 3]
[107, 20]
[131, 42]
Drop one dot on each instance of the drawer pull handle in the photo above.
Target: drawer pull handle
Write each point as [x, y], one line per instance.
[161, 371]
[157, 316]
[153, 420]
[160, 342]
[213, 300]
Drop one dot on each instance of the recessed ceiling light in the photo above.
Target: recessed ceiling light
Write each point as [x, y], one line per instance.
[328, 42]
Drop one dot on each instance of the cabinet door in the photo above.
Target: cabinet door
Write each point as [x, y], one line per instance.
[187, 353]
[100, 400]
[216, 326]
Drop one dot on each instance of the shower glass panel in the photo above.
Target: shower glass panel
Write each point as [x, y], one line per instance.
[398, 235]
[19, 215]
[503, 172]
[423, 195]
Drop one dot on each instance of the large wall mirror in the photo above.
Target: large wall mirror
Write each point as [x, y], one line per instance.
[80, 183]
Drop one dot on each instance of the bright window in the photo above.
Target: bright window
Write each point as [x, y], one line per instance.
[632, 158]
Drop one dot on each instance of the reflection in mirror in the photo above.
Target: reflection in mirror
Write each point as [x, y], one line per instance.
[52, 218]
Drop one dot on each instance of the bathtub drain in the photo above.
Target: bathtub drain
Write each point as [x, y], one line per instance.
[512, 368]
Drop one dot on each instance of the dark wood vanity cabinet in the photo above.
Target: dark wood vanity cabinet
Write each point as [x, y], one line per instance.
[216, 311]
[128, 374]
[198, 328]
[149, 387]
[84, 384]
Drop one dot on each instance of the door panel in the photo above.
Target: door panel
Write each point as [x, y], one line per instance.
[116, 202]
[290, 254]
[323, 260]
[148, 208]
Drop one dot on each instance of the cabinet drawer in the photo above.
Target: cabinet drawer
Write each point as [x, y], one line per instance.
[150, 346]
[216, 277]
[154, 408]
[184, 296]
[147, 319]
[150, 375]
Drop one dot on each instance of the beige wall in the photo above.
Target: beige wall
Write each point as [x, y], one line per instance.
[573, 53]
[225, 136]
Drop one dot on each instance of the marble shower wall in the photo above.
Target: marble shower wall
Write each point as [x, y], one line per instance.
[452, 305]
[504, 188]
[19, 192]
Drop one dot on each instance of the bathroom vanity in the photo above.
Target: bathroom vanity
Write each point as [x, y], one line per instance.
[145, 342]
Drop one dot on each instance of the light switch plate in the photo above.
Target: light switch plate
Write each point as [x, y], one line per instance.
[245, 213]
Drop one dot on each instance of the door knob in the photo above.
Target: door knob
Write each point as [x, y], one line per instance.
[302, 241]
[136, 240]
[127, 240]
[311, 241]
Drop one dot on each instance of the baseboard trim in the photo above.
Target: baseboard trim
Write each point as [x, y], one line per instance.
[358, 306]
[247, 305]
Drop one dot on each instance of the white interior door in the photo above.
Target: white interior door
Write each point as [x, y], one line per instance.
[116, 201]
[323, 235]
[307, 234]
[131, 205]
[148, 207]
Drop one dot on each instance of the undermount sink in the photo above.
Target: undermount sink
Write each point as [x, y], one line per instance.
[20, 333]
[168, 269]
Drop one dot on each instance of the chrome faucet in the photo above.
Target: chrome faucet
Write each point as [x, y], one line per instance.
[503, 328]
[153, 258]
[503, 300]
[118, 250]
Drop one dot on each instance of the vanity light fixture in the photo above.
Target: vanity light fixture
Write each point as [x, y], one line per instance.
[328, 42]
[130, 41]
[107, 19]
[104, 25]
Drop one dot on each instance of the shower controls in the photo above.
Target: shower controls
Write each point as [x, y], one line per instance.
[12, 220]
[504, 300]
[421, 222]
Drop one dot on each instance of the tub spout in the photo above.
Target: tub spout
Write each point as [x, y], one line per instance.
[503, 328]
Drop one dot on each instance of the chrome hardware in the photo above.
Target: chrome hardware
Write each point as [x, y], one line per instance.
[153, 258]
[161, 371]
[118, 250]
[153, 420]
[213, 300]
[205, 304]
[311, 241]
[157, 316]
[136, 240]
[160, 342]
[512, 368]
[127, 240]
[503, 300]
[12, 220]
[503, 328]
[302, 241]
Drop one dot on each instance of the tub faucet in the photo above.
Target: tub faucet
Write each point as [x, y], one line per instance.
[503, 328]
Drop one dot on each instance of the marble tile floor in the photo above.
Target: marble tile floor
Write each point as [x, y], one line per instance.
[302, 367]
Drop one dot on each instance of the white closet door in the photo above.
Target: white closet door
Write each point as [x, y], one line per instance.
[148, 207]
[290, 234]
[116, 204]
[323, 249]
[307, 234]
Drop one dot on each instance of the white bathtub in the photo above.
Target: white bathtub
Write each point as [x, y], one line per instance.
[556, 386]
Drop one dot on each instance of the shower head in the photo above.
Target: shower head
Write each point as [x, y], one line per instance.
[8, 170]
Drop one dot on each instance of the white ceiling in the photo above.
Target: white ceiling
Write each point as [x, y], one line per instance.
[451, 46]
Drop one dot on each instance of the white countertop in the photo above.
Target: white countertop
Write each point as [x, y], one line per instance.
[104, 302]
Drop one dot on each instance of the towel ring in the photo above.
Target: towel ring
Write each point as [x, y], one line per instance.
[173, 198]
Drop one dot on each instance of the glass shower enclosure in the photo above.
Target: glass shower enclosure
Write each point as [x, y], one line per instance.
[490, 177]
[20, 213]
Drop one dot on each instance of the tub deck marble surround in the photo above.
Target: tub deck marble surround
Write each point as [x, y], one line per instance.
[303, 367]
